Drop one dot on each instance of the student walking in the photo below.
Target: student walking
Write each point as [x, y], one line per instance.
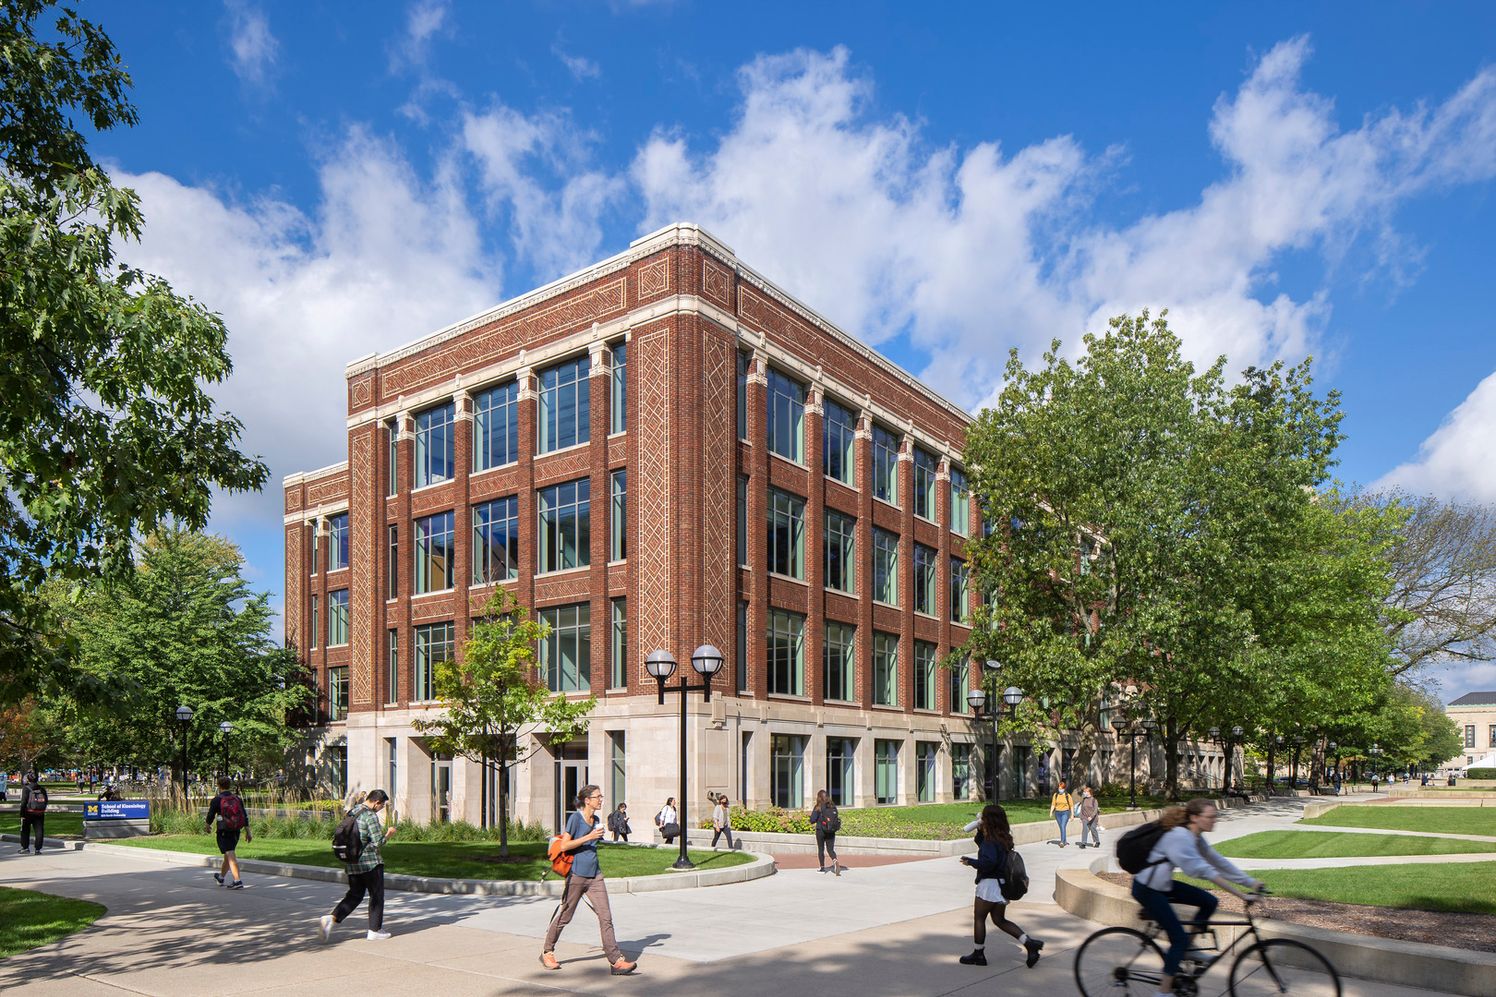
[722, 822]
[618, 822]
[1089, 812]
[229, 809]
[33, 812]
[366, 873]
[585, 880]
[668, 821]
[827, 821]
[1061, 805]
[994, 839]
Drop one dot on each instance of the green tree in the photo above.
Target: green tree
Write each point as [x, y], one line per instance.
[183, 627]
[107, 429]
[1156, 543]
[495, 706]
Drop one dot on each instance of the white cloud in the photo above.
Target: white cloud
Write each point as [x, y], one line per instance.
[251, 43]
[424, 20]
[1457, 460]
[971, 251]
[580, 67]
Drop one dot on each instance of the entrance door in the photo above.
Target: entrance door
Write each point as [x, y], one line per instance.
[571, 776]
[441, 789]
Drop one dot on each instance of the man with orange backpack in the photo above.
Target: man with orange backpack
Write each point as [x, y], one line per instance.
[232, 819]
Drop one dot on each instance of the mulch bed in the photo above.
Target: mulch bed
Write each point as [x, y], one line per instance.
[1462, 931]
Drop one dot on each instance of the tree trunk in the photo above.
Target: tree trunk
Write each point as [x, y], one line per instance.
[483, 791]
[504, 806]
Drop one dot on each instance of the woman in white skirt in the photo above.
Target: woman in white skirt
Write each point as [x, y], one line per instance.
[994, 840]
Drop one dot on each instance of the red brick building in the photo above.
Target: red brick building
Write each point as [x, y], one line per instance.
[660, 451]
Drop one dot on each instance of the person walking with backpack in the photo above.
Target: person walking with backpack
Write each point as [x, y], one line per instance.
[668, 821]
[582, 833]
[1061, 806]
[827, 821]
[365, 864]
[1089, 812]
[229, 809]
[33, 812]
[994, 840]
[618, 823]
[1178, 842]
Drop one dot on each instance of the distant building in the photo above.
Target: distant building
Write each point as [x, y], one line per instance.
[1475, 715]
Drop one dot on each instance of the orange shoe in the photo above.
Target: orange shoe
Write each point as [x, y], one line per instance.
[622, 967]
[548, 960]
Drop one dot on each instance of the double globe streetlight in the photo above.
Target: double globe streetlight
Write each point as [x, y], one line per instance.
[226, 729]
[977, 700]
[1141, 728]
[184, 721]
[707, 661]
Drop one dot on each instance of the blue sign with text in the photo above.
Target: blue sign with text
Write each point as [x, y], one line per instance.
[117, 810]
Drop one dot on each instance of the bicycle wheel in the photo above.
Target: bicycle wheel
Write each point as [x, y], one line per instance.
[1118, 961]
[1283, 966]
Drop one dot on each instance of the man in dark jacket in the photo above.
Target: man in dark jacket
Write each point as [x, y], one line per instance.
[33, 812]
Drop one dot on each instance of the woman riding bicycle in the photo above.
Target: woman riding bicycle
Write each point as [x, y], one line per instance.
[1182, 847]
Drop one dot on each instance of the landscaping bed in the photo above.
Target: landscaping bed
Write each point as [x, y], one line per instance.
[33, 919]
[1390, 817]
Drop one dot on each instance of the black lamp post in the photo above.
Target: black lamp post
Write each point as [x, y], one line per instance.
[226, 729]
[707, 661]
[1376, 765]
[1236, 733]
[1215, 738]
[184, 720]
[1134, 731]
[1272, 761]
[977, 700]
[1333, 747]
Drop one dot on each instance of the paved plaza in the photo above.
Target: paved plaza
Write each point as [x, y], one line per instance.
[879, 929]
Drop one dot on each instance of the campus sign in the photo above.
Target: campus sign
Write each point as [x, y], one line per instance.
[117, 810]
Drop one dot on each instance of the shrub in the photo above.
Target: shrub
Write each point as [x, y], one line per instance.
[460, 830]
[1480, 773]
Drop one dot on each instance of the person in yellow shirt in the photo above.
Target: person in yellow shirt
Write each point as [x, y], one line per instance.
[1061, 806]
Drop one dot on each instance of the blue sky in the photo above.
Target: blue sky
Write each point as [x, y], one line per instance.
[944, 181]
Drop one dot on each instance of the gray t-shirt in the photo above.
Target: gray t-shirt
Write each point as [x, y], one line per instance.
[584, 859]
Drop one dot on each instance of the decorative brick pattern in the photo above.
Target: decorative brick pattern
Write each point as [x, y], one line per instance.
[293, 499]
[651, 488]
[654, 278]
[293, 608]
[719, 448]
[360, 392]
[361, 595]
[716, 283]
[327, 490]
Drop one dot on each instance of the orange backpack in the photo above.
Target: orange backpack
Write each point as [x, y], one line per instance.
[560, 860]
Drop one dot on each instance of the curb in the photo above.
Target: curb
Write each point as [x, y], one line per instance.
[760, 867]
[1410, 964]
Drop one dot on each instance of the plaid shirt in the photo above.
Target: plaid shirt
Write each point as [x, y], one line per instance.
[371, 832]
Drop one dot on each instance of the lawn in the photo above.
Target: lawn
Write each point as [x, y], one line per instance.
[33, 919]
[59, 824]
[1460, 887]
[926, 821]
[448, 859]
[1335, 844]
[1445, 820]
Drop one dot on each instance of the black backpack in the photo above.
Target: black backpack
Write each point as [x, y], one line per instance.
[36, 803]
[830, 820]
[1015, 881]
[347, 844]
[1134, 847]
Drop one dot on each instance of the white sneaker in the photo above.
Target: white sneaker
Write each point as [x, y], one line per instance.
[324, 926]
[378, 936]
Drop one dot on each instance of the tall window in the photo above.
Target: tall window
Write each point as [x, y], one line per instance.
[885, 566]
[841, 562]
[960, 503]
[926, 764]
[960, 771]
[565, 526]
[1492, 735]
[885, 670]
[565, 405]
[886, 771]
[496, 426]
[316, 543]
[392, 561]
[337, 693]
[839, 432]
[496, 540]
[924, 579]
[392, 667]
[337, 542]
[618, 647]
[435, 560]
[924, 483]
[786, 653]
[1470, 735]
[434, 461]
[841, 769]
[619, 395]
[742, 519]
[786, 534]
[618, 515]
[742, 645]
[392, 462]
[433, 643]
[960, 591]
[787, 770]
[314, 622]
[885, 465]
[786, 412]
[924, 675]
[337, 618]
[958, 687]
[743, 362]
[617, 766]
[839, 662]
[565, 653]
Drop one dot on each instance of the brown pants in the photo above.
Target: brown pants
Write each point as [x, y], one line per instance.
[984, 909]
[595, 890]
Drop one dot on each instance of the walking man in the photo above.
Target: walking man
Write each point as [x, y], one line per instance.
[232, 819]
[33, 812]
[365, 873]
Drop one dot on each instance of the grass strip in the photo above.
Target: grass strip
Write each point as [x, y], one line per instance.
[59, 824]
[33, 919]
[1456, 887]
[1443, 820]
[1338, 844]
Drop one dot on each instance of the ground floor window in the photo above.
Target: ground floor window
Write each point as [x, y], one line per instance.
[1067, 763]
[1020, 769]
[787, 771]
[841, 758]
[886, 771]
[617, 782]
[926, 764]
[441, 789]
[960, 771]
[337, 693]
[393, 753]
[339, 758]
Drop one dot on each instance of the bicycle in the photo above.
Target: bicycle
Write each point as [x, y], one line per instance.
[1117, 961]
